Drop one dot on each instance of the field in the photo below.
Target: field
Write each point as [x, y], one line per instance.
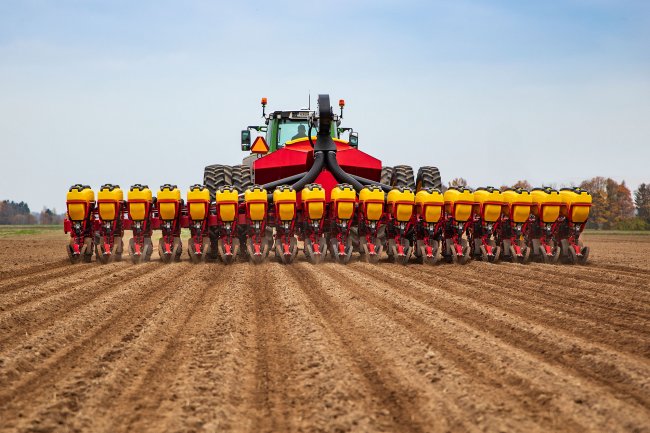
[304, 348]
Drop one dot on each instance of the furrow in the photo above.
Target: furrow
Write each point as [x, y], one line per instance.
[625, 382]
[78, 341]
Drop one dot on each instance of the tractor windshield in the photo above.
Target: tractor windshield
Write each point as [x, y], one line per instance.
[293, 130]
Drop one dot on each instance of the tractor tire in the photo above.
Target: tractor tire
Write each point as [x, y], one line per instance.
[428, 177]
[403, 177]
[386, 175]
[215, 176]
[241, 177]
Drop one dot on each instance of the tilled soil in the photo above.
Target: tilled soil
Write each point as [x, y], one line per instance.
[331, 348]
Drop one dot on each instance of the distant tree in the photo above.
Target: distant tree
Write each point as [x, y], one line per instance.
[611, 202]
[459, 181]
[642, 202]
[49, 216]
[619, 203]
[598, 216]
[552, 185]
[524, 184]
[625, 202]
[15, 213]
[634, 223]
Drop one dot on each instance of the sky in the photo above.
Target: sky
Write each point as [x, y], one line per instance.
[151, 91]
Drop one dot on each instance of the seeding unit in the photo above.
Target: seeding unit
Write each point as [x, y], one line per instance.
[322, 194]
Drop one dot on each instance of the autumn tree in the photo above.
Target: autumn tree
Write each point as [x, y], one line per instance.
[523, 184]
[612, 203]
[598, 216]
[15, 213]
[459, 181]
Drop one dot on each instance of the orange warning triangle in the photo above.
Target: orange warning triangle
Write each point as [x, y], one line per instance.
[259, 145]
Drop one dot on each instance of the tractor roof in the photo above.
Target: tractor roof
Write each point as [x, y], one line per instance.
[295, 114]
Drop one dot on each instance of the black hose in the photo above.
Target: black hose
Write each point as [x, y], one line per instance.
[314, 171]
[338, 172]
[285, 181]
[365, 181]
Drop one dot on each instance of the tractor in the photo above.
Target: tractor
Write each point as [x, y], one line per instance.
[303, 151]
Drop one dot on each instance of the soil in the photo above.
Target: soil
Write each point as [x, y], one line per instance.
[328, 348]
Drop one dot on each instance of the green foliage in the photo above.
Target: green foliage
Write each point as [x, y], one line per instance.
[634, 223]
[642, 202]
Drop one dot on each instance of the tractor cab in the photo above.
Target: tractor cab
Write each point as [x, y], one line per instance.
[287, 127]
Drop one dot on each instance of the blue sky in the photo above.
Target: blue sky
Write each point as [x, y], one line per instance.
[151, 91]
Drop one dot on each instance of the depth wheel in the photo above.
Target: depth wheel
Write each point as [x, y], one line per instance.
[250, 249]
[467, 250]
[312, 257]
[191, 251]
[585, 254]
[421, 253]
[342, 257]
[293, 250]
[99, 252]
[165, 258]
[365, 250]
[74, 259]
[135, 259]
[406, 248]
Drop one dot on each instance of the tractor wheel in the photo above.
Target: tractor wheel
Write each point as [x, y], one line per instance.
[403, 177]
[215, 176]
[386, 175]
[428, 177]
[241, 177]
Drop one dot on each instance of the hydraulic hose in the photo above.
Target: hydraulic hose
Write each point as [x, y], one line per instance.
[285, 181]
[339, 174]
[365, 181]
[314, 171]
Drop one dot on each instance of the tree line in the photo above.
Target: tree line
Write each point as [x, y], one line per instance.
[614, 206]
[12, 212]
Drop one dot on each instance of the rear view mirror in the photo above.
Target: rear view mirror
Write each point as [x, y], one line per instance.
[245, 140]
[354, 139]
